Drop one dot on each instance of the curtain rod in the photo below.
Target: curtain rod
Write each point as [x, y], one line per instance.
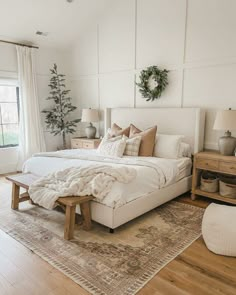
[20, 44]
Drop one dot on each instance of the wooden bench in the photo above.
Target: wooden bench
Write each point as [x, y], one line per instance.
[69, 203]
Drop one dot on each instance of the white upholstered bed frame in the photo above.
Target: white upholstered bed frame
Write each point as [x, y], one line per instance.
[189, 122]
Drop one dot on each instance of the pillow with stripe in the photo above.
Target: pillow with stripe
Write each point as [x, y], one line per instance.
[132, 146]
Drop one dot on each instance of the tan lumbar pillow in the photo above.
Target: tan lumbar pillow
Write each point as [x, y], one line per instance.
[117, 130]
[148, 139]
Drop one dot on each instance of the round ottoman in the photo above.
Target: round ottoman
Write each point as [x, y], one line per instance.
[219, 229]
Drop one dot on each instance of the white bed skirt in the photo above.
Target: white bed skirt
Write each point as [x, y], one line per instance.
[114, 217]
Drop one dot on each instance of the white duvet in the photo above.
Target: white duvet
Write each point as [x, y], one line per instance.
[95, 180]
[151, 173]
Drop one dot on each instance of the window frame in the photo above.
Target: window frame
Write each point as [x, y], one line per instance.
[16, 86]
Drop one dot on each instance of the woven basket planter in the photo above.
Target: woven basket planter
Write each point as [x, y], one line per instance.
[209, 182]
[228, 187]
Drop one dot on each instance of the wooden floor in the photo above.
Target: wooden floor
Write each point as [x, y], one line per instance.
[195, 271]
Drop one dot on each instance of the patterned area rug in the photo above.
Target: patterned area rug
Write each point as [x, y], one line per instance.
[103, 263]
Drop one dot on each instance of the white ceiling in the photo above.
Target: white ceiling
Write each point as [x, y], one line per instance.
[20, 19]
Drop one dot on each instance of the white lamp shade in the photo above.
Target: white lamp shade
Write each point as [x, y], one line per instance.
[225, 120]
[89, 115]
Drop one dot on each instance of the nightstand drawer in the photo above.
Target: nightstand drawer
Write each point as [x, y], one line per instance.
[207, 164]
[84, 143]
[76, 144]
[88, 145]
[228, 167]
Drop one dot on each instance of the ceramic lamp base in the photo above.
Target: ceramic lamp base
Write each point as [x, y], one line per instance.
[227, 144]
[90, 131]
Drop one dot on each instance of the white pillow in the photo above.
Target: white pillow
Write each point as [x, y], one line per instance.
[132, 146]
[107, 137]
[113, 147]
[185, 150]
[167, 146]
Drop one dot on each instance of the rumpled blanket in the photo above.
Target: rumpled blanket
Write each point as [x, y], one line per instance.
[95, 180]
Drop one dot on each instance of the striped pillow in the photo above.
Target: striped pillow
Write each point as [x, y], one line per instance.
[132, 146]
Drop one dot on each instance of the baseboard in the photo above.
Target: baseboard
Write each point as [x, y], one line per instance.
[8, 168]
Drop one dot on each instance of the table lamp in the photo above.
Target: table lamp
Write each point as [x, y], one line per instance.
[90, 115]
[226, 120]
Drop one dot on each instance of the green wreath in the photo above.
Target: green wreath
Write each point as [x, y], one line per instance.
[159, 76]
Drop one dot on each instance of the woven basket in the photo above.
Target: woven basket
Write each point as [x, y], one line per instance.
[209, 182]
[228, 187]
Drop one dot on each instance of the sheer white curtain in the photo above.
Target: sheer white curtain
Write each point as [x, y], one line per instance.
[31, 138]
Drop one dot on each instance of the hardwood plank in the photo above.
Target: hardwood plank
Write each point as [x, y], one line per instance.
[5, 287]
[190, 277]
[68, 284]
[60, 291]
[9, 270]
[203, 253]
[148, 290]
[162, 286]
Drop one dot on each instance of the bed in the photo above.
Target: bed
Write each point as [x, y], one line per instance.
[145, 192]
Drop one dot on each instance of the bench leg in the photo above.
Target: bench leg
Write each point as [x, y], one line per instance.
[15, 196]
[85, 211]
[69, 223]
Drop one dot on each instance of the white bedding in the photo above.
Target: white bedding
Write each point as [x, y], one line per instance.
[152, 173]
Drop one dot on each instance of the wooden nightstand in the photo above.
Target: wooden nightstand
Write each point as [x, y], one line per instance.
[84, 143]
[212, 161]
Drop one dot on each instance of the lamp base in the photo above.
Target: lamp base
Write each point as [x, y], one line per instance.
[90, 131]
[227, 144]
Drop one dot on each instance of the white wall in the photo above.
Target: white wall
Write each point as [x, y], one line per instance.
[44, 61]
[194, 39]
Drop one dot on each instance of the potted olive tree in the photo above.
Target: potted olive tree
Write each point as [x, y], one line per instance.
[57, 118]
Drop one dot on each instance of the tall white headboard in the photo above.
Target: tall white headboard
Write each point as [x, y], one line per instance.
[189, 122]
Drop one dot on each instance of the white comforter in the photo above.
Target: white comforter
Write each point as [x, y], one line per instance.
[95, 180]
[151, 173]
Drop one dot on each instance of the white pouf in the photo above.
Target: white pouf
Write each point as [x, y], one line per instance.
[219, 229]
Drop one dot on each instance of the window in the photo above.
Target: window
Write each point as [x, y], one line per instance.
[9, 115]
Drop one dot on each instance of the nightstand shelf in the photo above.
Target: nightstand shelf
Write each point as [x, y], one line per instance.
[214, 162]
[215, 196]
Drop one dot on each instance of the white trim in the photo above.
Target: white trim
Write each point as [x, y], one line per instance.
[12, 167]
[8, 74]
[9, 81]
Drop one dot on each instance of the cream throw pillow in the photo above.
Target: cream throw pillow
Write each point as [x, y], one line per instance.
[132, 146]
[167, 146]
[113, 147]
